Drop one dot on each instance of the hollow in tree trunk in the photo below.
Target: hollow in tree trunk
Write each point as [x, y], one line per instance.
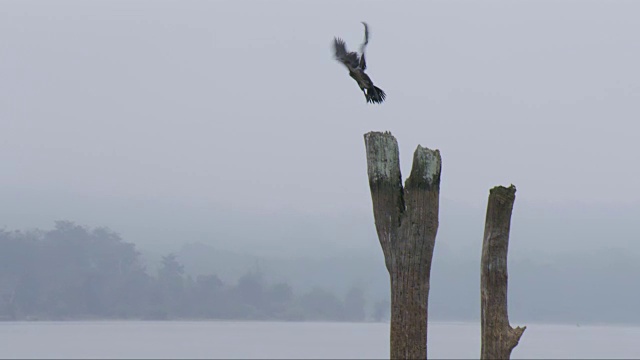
[407, 222]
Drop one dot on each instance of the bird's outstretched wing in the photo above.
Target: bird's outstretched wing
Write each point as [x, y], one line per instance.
[363, 63]
[366, 36]
[349, 59]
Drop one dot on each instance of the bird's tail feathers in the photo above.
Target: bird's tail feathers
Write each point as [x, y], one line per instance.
[375, 95]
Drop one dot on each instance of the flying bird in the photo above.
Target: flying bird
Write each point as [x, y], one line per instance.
[357, 65]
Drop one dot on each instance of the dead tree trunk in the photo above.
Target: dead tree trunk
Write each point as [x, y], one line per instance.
[407, 222]
[498, 337]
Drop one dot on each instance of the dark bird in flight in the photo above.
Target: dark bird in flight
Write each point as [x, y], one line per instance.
[357, 65]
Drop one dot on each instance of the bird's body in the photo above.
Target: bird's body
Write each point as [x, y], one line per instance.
[357, 65]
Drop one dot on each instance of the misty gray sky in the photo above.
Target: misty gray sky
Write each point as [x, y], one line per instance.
[170, 115]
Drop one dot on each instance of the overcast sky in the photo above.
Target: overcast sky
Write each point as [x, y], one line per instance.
[127, 113]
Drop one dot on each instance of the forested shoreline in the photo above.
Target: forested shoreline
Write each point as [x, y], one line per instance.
[73, 272]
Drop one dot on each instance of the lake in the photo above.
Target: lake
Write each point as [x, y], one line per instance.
[233, 339]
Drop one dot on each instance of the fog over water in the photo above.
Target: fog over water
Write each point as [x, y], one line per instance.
[226, 133]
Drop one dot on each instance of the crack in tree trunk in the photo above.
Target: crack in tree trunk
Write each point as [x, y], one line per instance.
[407, 223]
[498, 337]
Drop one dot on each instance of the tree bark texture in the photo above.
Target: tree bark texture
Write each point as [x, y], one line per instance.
[498, 337]
[407, 222]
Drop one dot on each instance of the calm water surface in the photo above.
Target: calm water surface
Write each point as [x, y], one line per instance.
[219, 339]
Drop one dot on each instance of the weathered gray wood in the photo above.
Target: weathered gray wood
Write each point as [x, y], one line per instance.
[407, 223]
[498, 337]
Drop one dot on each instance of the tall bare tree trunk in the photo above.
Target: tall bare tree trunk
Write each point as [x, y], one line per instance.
[407, 222]
[498, 337]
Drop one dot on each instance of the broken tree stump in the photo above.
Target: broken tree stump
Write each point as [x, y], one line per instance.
[498, 337]
[407, 222]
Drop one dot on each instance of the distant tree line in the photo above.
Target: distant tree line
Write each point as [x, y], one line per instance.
[73, 272]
